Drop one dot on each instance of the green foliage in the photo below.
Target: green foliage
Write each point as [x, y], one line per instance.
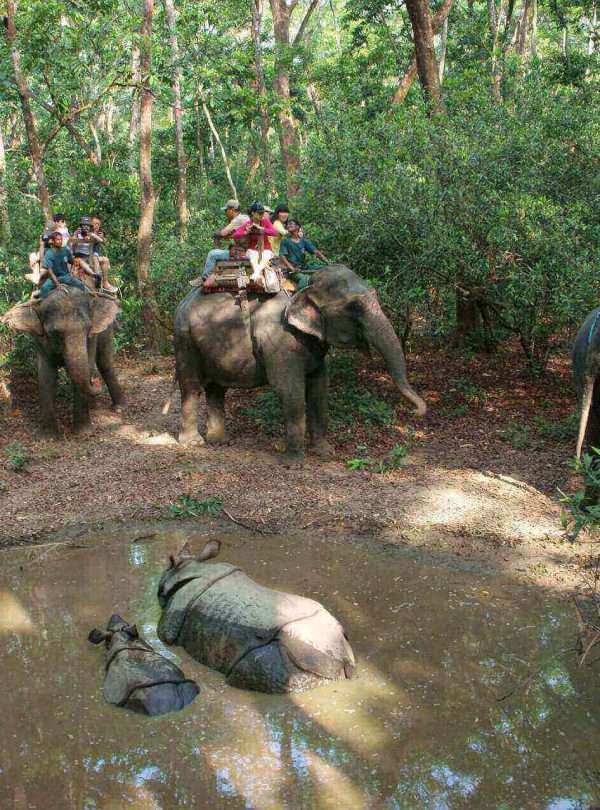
[392, 461]
[518, 436]
[18, 457]
[560, 430]
[581, 509]
[188, 506]
[266, 412]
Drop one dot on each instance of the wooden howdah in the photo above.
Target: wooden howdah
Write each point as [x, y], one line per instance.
[233, 275]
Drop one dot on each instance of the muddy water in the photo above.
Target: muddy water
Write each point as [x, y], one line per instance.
[421, 726]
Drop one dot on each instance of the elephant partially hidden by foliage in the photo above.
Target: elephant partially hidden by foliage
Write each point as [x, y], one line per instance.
[285, 347]
[586, 368]
[73, 329]
[137, 677]
[259, 638]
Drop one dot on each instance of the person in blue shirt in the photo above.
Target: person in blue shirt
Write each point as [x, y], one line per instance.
[57, 262]
[293, 251]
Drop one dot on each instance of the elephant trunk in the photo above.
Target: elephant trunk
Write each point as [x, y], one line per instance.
[77, 364]
[381, 337]
[586, 402]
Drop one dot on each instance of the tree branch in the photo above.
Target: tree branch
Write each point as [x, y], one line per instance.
[411, 73]
[305, 20]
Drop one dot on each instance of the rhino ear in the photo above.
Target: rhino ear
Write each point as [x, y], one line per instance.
[104, 312]
[132, 631]
[24, 318]
[171, 561]
[98, 636]
[210, 550]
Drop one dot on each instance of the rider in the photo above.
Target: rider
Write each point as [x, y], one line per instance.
[293, 252]
[81, 245]
[100, 264]
[234, 220]
[279, 220]
[57, 262]
[257, 231]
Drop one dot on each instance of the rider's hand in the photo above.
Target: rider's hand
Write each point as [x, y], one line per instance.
[210, 281]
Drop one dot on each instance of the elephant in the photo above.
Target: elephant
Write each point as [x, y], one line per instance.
[283, 343]
[259, 638]
[137, 677]
[586, 367]
[74, 329]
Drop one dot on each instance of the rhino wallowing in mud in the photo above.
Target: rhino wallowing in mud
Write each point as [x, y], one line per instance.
[137, 677]
[259, 638]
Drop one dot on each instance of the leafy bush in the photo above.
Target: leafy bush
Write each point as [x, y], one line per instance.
[18, 457]
[188, 506]
[582, 510]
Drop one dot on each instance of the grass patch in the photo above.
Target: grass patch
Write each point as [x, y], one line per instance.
[518, 436]
[580, 511]
[188, 506]
[17, 457]
[558, 430]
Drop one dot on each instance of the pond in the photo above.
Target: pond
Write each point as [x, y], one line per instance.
[467, 692]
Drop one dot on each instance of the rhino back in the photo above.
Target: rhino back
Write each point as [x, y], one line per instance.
[133, 669]
[236, 615]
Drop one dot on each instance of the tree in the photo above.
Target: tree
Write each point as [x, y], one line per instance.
[182, 209]
[144, 242]
[427, 68]
[35, 151]
[4, 220]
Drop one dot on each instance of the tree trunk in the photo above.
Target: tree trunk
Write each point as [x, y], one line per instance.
[134, 121]
[427, 69]
[35, 151]
[257, 12]
[217, 138]
[593, 35]
[407, 80]
[443, 48]
[144, 242]
[182, 208]
[468, 316]
[4, 220]
[288, 128]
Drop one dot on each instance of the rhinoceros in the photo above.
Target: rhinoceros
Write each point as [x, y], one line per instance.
[257, 637]
[136, 676]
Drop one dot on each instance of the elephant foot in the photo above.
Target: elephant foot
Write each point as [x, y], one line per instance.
[291, 460]
[82, 429]
[216, 437]
[190, 437]
[51, 431]
[118, 407]
[323, 449]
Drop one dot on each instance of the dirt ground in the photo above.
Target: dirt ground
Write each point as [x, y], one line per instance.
[479, 482]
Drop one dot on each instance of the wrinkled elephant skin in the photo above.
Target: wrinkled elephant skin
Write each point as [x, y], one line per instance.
[137, 677]
[75, 330]
[285, 348]
[257, 637]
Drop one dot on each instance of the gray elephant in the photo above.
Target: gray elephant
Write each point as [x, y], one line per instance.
[73, 329]
[258, 638]
[586, 368]
[137, 677]
[284, 347]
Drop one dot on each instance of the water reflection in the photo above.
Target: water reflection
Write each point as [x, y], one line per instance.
[420, 726]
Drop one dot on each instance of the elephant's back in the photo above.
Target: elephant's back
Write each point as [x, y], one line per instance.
[589, 329]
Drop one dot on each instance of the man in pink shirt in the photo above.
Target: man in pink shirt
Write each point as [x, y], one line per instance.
[257, 231]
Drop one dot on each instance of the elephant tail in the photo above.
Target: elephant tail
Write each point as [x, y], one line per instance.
[586, 403]
[167, 406]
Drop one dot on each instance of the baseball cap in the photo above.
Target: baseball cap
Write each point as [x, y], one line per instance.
[231, 204]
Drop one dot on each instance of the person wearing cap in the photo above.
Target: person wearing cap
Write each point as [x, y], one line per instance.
[100, 264]
[234, 220]
[57, 262]
[257, 231]
[82, 246]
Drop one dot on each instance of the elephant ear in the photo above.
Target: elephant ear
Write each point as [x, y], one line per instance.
[104, 312]
[24, 318]
[303, 314]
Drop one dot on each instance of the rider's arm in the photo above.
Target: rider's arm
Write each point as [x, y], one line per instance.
[320, 255]
[268, 228]
[242, 231]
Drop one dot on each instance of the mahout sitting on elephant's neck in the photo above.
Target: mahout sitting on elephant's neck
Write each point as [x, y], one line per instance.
[259, 638]
[137, 677]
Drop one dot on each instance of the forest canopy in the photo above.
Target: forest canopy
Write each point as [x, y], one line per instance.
[449, 152]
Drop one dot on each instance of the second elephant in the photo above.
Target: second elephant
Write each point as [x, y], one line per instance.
[283, 343]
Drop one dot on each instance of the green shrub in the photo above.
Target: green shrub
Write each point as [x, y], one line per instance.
[188, 506]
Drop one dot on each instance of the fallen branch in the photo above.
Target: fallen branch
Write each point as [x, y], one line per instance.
[247, 526]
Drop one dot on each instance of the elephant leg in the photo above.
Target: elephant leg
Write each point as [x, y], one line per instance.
[81, 409]
[317, 386]
[290, 386]
[47, 374]
[215, 407]
[592, 439]
[105, 361]
[190, 387]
